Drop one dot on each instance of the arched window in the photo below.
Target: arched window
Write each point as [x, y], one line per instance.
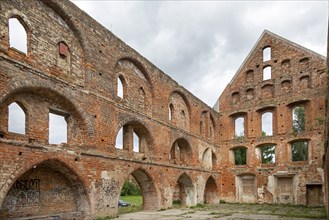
[119, 139]
[267, 124]
[171, 112]
[267, 73]
[16, 119]
[239, 127]
[120, 87]
[17, 35]
[266, 54]
[57, 129]
[135, 142]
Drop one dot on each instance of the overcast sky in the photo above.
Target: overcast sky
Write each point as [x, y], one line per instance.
[201, 44]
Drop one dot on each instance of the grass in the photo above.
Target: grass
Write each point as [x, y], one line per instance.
[136, 204]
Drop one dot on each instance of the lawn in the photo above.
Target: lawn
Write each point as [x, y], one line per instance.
[136, 204]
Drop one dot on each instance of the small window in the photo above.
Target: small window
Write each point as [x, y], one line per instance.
[298, 119]
[119, 140]
[266, 54]
[120, 87]
[268, 154]
[135, 142]
[267, 124]
[267, 73]
[57, 129]
[240, 156]
[239, 127]
[299, 151]
[171, 112]
[16, 119]
[17, 35]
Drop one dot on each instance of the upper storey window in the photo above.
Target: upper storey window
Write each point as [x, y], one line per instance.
[267, 73]
[16, 119]
[239, 127]
[266, 54]
[298, 119]
[57, 129]
[120, 89]
[267, 124]
[17, 35]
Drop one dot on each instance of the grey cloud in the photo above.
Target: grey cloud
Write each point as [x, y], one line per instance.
[202, 44]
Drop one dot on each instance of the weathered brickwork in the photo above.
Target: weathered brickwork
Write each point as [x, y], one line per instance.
[297, 79]
[72, 68]
[75, 68]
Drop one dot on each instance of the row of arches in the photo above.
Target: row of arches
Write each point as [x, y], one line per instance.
[133, 136]
[41, 188]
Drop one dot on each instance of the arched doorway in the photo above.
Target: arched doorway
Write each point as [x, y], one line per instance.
[147, 187]
[47, 189]
[184, 192]
[211, 192]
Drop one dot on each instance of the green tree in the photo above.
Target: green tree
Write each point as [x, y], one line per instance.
[130, 188]
[240, 156]
[298, 122]
[268, 154]
[299, 151]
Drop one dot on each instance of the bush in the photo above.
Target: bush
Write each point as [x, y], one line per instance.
[130, 189]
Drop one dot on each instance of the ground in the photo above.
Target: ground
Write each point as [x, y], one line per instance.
[233, 212]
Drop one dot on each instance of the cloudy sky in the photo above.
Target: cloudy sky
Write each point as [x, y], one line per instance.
[201, 44]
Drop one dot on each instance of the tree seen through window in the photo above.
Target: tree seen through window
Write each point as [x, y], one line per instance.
[240, 156]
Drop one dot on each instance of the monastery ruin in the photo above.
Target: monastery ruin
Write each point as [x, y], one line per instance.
[263, 142]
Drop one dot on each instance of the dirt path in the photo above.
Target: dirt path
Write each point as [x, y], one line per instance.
[233, 212]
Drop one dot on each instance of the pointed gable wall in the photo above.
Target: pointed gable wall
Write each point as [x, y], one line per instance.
[297, 78]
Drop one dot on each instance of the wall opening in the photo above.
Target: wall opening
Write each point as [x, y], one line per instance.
[120, 87]
[207, 162]
[171, 112]
[268, 154]
[211, 192]
[299, 150]
[119, 140]
[16, 119]
[17, 35]
[267, 73]
[184, 191]
[266, 54]
[314, 195]
[267, 124]
[57, 129]
[298, 119]
[43, 190]
[130, 195]
[148, 190]
[135, 142]
[181, 152]
[239, 127]
[240, 156]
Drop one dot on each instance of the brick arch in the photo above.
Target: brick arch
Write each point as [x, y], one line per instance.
[136, 122]
[211, 191]
[58, 8]
[149, 190]
[208, 159]
[37, 87]
[140, 66]
[60, 165]
[184, 190]
[187, 103]
[183, 155]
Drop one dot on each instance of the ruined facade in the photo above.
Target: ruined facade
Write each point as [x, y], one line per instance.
[124, 117]
[272, 126]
